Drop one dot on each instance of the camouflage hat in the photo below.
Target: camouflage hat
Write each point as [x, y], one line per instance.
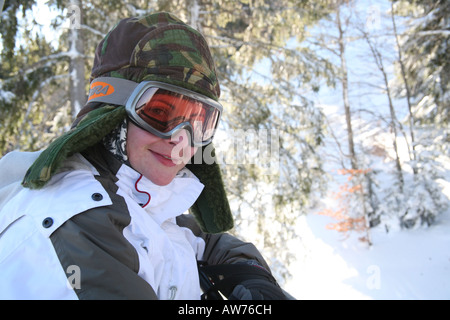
[157, 47]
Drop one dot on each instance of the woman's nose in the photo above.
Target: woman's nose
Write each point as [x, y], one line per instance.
[181, 138]
[181, 143]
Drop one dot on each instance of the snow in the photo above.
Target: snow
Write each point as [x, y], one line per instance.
[6, 96]
[407, 265]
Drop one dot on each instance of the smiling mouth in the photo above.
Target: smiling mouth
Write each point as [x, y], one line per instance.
[165, 160]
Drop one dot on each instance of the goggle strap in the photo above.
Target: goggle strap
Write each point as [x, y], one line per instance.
[111, 90]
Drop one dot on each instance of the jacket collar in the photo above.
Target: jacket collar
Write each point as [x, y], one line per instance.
[161, 202]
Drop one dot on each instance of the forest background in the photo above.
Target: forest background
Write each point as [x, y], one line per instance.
[343, 100]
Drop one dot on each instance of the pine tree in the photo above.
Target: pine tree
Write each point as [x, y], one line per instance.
[424, 72]
[425, 52]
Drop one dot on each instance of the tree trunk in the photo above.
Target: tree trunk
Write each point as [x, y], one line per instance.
[344, 80]
[359, 178]
[379, 62]
[394, 130]
[408, 92]
[76, 54]
[194, 10]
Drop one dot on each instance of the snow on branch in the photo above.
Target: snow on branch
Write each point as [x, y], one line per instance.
[48, 61]
[93, 31]
[6, 96]
[36, 94]
[444, 33]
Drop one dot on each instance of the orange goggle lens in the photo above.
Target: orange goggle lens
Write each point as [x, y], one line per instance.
[164, 112]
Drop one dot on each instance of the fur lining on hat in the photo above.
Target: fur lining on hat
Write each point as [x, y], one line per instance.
[211, 210]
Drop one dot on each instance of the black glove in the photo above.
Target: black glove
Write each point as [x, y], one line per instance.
[257, 289]
[241, 281]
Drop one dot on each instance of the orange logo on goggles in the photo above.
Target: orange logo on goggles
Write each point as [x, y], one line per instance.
[100, 89]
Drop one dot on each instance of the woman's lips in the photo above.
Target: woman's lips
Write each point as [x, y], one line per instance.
[164, 160]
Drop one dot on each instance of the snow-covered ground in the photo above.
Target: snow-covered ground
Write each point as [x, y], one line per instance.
[406, 264]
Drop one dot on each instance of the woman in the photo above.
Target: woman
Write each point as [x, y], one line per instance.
[99, 214]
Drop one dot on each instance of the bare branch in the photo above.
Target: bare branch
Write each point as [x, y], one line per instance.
[93, 31]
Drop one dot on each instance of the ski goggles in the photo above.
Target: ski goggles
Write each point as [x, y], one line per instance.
[160, 108]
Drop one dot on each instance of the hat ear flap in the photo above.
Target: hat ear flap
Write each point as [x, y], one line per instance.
[211, 210]
[89, 131]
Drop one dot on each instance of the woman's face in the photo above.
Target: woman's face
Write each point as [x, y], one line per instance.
[155, 158]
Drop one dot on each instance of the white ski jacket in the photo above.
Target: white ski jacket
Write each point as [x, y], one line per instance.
[99, 230]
